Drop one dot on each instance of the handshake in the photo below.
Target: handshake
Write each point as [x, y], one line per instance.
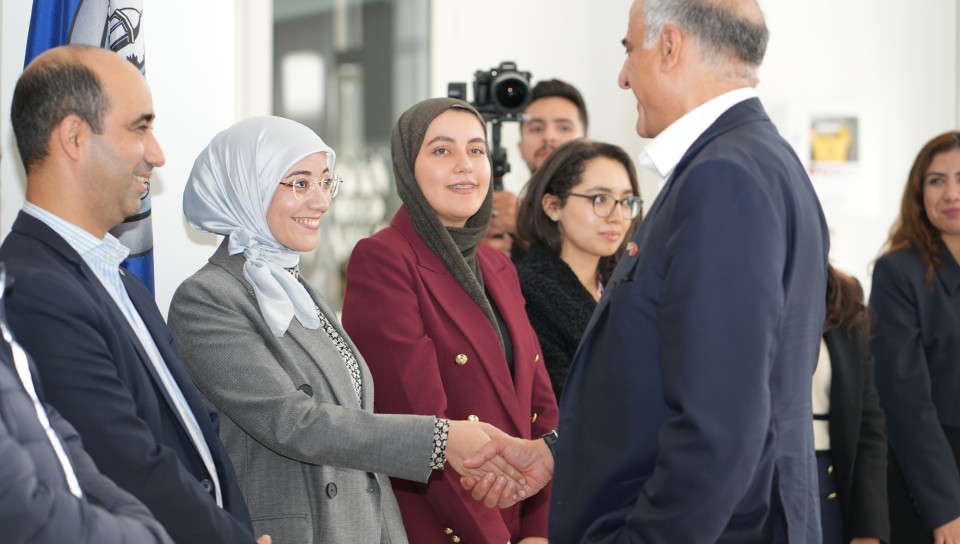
[496, 468]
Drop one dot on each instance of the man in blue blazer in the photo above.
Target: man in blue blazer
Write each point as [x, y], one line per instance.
[686, 415]
[83, 121]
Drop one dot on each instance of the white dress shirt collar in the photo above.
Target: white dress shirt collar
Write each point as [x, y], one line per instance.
[664, 152]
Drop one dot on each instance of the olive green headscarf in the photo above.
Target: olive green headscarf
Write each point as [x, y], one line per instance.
[456, 247]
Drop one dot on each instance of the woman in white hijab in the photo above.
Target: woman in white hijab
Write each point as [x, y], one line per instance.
[294, 395]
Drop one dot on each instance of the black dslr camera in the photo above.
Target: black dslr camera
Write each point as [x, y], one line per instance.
[499, 94]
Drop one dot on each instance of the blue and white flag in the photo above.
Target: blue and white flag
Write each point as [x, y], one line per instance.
[114, 25]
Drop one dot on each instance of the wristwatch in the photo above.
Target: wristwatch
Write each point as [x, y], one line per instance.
[551, 440]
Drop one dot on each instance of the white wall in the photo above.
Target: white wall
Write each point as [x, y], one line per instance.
[203, 76]
[571, 40]
[890, 63]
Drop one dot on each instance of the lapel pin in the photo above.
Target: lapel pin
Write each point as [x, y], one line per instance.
[632, 249]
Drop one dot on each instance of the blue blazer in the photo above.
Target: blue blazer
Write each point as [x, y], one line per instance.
[96, 373]
[686, 416]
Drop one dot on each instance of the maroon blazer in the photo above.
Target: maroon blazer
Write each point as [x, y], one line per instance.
[432, 351]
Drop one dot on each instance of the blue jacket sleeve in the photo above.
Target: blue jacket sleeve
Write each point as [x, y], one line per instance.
[32, 511]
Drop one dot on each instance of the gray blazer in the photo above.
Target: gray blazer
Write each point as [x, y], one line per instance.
[312, 462]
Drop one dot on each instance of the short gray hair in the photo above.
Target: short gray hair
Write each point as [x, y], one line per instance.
[719, 30]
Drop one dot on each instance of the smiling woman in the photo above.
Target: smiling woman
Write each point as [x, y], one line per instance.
[440, 319]
[298, 206]
[915, 303]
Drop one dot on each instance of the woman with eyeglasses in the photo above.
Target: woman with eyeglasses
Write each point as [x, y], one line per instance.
[440, 318]
[294, 395]
[576, 215]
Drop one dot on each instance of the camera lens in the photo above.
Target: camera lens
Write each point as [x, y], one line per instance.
[511, 93]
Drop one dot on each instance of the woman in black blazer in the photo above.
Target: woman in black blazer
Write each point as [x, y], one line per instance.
[852, 457]
[915, 300]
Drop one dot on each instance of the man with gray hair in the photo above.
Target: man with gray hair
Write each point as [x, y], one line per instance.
[687, 413]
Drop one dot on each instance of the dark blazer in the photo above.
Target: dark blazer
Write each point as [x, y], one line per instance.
[96, 373]
[559, 308]
[916, 343]
[858, 446]
[36, 504]
[431, 350]
[686, 416]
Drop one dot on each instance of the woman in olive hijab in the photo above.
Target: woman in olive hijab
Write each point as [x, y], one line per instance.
[441, 321]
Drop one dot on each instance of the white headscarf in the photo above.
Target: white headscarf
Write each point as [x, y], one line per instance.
[229, 191]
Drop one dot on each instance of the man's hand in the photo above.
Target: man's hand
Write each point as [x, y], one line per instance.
[503, 223]
[465, 439]
[865, 541]
[265, 539]
[531, 457]
[504, 212]
[948, 533]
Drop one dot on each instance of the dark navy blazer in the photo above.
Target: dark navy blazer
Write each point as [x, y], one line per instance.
[686, 416]
[96, 373]
[916, 343]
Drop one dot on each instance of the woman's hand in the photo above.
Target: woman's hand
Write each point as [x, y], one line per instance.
[534, 540]
[948, 533]
[464, 439]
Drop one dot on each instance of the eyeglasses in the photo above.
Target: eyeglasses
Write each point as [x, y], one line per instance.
[603, 205]
[303, 186]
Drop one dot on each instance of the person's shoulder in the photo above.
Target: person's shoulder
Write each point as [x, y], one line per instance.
[209, 277]
[385, 242]
[493, 255]
[28, 256]
[902, 267]
[537, 262]
[544, 275]
[906, 259]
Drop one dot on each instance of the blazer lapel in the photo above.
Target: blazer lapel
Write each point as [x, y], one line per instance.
[161, 336]
[333, 367]
[846, 391]
[469, 320]
[744, 112]
[30, 226]
[310, 341]
[496, 279]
